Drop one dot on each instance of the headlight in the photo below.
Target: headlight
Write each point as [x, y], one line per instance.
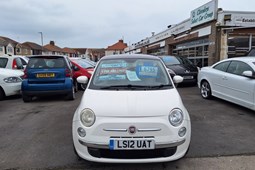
[12, 80]
[176, 117]
[87, 117]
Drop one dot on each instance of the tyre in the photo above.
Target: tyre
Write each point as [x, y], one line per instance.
[83, 86]
[205, 90]
[2, 94]
[76, 87]
[71, 95]
[26, 98]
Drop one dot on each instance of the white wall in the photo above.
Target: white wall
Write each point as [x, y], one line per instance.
[114, 52]
[2, 51]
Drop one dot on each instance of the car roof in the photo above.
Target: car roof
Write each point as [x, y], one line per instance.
[246, 59]
[120, 56]
[9, 56]
[37, 56]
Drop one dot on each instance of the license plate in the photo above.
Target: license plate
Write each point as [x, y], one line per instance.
[188, 77]
[130, 144]
[45, 75]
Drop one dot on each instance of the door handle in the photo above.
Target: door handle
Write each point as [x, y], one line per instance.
[224, 78]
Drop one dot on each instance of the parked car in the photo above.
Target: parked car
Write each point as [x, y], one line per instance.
[231, 79]
[13, 62]
[10, 82]
[181, 66]
[24, 60]
[125, 117]
[82, 68]
[48, 75]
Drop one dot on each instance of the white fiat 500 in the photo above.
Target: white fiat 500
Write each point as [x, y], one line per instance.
[131, 112]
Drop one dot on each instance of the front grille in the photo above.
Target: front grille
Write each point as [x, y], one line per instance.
[132, 154]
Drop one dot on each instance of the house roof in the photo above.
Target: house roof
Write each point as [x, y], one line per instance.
[80, 50]
[23, 46]
[8, 40]
[3, 42]
[120, 45]
[68, 50]
[33, 46]
[52, 47]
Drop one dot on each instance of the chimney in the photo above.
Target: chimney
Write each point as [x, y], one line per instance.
[52, 43]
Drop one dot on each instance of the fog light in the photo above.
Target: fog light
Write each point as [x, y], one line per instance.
[182, 132]
[81, 132]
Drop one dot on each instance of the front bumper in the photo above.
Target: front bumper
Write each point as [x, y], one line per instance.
[11, 88]
[95, 145]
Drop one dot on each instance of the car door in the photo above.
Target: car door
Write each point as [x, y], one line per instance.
[217, 78]
[238, 88]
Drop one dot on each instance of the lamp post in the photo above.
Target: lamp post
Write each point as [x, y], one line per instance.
[41, 39]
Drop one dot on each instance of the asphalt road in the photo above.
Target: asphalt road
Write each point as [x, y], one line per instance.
[38, 134]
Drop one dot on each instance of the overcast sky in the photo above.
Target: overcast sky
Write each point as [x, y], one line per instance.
[97, 23]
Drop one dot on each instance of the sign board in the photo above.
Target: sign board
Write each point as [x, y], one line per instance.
[174, 30]
[204, 13]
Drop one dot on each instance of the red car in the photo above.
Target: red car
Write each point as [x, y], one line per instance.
[82, 68]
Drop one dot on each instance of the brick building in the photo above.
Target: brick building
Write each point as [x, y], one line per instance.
[207, 36]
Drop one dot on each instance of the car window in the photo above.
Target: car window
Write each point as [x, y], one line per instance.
[3, 62]
[23, 61]
[36, 62]
[132, 72]
[222, 66]
[238, 67]
[83, 63]
[19, 63]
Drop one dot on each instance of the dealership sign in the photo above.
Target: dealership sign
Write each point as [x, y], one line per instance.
[244, 20]
[204, 13]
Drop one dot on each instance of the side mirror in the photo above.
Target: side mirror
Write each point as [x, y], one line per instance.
[248, 74]
[177, 79]
[75, 68]
[171, 72]
[82, 79]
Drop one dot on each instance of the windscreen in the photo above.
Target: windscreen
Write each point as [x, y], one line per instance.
[83, 63]
[172, 60]
[144, 73]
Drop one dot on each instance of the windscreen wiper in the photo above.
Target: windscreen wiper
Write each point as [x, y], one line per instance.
[160, 86]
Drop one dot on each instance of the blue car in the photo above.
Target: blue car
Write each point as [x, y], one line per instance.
[48, 75]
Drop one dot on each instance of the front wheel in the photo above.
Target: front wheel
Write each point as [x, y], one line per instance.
[205, 90]
[76, 88]
[26, 98]
[83, 86]
[2, 95]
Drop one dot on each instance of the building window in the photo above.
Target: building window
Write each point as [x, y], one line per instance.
[9, 49]
[253, 42]
[196, 51]
[18, 50]
[1, 49]
[238, 45]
